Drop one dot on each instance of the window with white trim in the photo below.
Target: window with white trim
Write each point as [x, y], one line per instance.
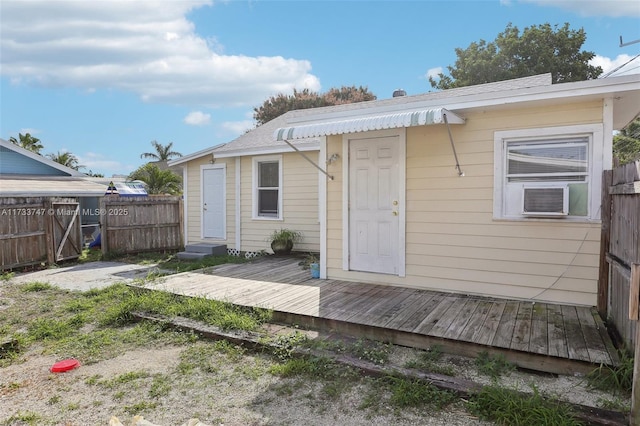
[547, 176]
[267, 184]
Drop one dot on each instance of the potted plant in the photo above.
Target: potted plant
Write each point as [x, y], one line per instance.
[282, 240]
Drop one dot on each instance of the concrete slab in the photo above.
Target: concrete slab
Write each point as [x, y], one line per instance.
[87, 276]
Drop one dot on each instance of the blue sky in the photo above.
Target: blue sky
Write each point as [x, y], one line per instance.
[103, 78]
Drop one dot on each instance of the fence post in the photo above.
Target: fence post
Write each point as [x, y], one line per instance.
[104, 225]
[635, 393]
[605, 237]
[48, 230]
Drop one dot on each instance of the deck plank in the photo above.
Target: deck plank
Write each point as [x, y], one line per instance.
[595, 346]
[539, 341]
[485, 334]
[413, 315]
[557, 336]
[576, 344]
[504, 329]
[461, 320]
[522, 330]
[476, 321]
[435, 315]
[375, 315]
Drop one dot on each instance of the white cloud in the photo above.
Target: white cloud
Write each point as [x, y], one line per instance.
[620, 64]
[433, 72]
[144, 47]
[613, 8]
[197, 118]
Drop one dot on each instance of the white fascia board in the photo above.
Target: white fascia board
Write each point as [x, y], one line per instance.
[194, 155]
[266, 150]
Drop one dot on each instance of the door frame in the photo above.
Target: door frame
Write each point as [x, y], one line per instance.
[401, 134]
[203, 168]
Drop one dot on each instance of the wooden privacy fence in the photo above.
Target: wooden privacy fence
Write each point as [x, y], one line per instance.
[137, 224]
[620, 248]
[36, 230]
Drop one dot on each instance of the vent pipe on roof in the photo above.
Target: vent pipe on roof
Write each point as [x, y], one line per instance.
[399, 92]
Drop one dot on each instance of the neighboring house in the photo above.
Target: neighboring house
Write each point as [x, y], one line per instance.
[24, 173]
[518, 217]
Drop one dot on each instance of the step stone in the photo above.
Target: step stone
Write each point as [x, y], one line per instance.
[190, 255]
[210, 249]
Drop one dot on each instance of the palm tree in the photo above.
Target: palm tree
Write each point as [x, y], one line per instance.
[66, 159]
[27, 141]
[157, 181]
[163, 152]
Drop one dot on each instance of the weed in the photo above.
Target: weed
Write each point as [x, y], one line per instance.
[20, 417]
[428, 361]
[493, 366]
[284, 345]
[54, 400]
[199, 357]
[93, 380]
[507, 407]
[7, 275]
[615, 405]
[52, 329]
[371, 350]
[36, 286]
[123, 379]
[73, 406]
[160, 386]
[415, 393]
[617, 379]
[139, 407]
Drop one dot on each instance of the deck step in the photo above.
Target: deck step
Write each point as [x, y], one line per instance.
[206, 248]
[202, 250]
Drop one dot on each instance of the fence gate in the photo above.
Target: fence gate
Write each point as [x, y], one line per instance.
[66, 232]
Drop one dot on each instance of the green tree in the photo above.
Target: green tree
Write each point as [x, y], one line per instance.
[277, 105]
[537, 50]
[27, 141]
[157, 181]
[66, 159]
[162, 152]
[626, 144]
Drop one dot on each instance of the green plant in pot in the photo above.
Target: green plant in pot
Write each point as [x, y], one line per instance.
[282, 240]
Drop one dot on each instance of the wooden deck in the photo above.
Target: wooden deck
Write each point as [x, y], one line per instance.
[545, 337]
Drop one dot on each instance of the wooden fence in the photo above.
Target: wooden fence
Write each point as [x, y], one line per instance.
[138, 224]
[620, 247]
[38, 230]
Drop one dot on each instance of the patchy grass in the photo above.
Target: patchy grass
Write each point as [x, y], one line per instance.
[507, 407]
[429, 361]
[370, 350]
[98, 324]
[493, 366]
[618, 380]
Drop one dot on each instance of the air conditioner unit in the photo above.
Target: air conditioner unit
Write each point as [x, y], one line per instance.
[545, 200]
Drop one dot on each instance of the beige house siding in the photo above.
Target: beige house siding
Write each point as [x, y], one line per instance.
[299, 205]
[194, 202]
[452, 241]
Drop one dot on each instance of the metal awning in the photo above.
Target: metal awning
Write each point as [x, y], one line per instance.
[373, 122]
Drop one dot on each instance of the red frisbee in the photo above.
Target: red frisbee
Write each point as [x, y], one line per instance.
[65, 365]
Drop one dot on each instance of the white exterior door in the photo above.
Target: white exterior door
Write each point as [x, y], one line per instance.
[374, 205]
[213, 202]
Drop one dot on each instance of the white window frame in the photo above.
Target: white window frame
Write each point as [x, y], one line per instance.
[255, 180]
[594, 134]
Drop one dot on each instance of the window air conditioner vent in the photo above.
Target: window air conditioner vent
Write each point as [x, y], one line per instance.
[545, 200]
